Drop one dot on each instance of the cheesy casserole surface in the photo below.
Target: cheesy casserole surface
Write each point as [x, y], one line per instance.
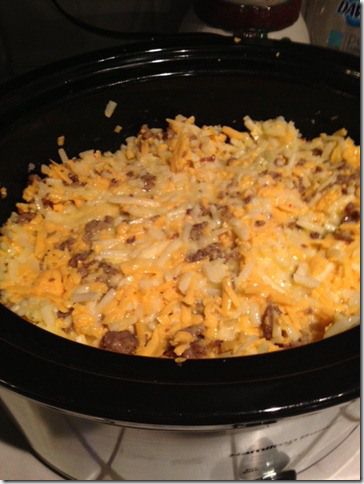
[191, 242]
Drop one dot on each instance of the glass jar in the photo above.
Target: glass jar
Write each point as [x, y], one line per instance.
[239, 17]
[276, 19]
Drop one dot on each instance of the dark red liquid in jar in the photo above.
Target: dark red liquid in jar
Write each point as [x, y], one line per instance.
[240, 16]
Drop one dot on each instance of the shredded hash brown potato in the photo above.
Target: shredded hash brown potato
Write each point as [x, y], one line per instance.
[191, 242]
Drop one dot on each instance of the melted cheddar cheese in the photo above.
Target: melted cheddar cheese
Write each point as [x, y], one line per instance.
[191, 242]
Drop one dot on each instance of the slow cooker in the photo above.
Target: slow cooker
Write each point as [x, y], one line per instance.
[92, 414]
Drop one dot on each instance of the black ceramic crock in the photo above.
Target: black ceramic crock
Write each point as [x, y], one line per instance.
[217, 81]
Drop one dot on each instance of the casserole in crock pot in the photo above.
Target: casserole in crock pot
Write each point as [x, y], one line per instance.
[191, 242]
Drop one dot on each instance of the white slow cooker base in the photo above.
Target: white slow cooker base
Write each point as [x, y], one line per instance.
[18, 463]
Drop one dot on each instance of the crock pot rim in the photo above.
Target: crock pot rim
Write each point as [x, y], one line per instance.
[42, 344]
[150, 404]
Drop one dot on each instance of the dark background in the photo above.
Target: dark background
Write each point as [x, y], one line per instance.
[36, 32]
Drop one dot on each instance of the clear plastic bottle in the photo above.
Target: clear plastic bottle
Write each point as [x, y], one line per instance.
[334, 24]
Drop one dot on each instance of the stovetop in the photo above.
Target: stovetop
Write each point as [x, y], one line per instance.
[17, 462]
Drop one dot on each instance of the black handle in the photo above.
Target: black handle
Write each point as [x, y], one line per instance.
[289, 475]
